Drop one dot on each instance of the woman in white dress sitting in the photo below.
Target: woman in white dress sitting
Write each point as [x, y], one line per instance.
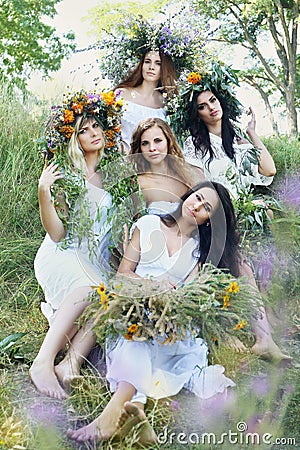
[167, 249]
[66, 264]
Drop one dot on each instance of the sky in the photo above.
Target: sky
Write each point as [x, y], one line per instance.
[77, 72]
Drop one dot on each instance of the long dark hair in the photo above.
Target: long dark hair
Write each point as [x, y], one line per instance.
[218, 238]
[168, 76]
[200, 133]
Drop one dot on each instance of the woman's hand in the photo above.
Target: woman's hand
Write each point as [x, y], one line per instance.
[49, 175]
[252, 123]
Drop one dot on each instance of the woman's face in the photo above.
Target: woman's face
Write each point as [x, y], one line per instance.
[90, 136]
[151, 67]
[209, 108]
[154, 145]
[200, 206]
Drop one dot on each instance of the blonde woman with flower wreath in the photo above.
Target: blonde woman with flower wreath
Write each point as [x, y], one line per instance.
[74, 255]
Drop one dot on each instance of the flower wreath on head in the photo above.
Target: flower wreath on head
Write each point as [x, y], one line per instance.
[219, 78]
[106, 108]
[129, 41]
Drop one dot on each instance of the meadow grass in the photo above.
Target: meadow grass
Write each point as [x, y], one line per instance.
[267, 396]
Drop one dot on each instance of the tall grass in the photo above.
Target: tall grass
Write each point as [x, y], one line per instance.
[21, 234]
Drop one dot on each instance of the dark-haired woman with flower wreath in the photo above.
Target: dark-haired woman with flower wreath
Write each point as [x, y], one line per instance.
[74, 255]
[215, 144]
[168, 250]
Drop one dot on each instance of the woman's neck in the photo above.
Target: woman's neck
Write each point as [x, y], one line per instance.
[161, 169]
[215, 129]
[92, 160]
[184, 228]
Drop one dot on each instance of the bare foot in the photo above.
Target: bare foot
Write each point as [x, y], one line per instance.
[235, 344]
[271, 352]
[102, 428]
[68, 373]
[133, 415]
[45, 380]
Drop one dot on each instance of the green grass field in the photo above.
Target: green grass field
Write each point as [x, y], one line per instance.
[266, 397]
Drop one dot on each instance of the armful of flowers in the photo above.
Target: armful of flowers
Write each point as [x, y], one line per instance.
[212, 304]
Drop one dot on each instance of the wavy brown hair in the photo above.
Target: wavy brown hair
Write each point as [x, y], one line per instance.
[177, 165]
[168, 76]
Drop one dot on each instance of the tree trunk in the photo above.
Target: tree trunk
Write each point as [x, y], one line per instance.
[291, 114]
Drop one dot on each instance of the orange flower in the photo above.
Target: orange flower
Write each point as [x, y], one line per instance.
[108, 97]
[110, 134]
[68, 116]
[67, 130]
[77, 108]
[240, 325]
[128, 337]
[133, 328]
[194, 77]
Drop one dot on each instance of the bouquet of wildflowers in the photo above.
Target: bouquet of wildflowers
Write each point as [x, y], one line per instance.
[212, 305]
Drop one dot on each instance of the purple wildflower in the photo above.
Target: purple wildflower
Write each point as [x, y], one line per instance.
[289, 191]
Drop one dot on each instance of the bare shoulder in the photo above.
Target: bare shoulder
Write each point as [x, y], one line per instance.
[125, 93]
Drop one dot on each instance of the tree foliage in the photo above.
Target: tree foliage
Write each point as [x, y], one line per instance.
[114, 11]
[247, 23]
[27, 43]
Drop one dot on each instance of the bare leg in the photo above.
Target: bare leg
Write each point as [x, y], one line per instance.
[264, 346]
[106, 425]
[62, 330]
[132, 415]
[68, 370]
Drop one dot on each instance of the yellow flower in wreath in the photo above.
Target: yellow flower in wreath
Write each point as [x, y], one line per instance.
[240, 325]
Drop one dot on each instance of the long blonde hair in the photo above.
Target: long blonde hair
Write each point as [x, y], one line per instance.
[75, 152]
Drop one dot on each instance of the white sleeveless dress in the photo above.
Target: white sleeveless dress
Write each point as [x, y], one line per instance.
[133, 114]
[61, 271]
[161, 370]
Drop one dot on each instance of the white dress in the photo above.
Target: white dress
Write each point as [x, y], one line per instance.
[161, 370]
[224, 170]
[61, 271]
[133, 114]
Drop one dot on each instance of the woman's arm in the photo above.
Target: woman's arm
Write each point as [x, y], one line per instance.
[131, 256]
[49, 217]
[266, 165]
